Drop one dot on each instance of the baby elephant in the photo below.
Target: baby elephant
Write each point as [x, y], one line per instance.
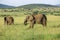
[8, 20]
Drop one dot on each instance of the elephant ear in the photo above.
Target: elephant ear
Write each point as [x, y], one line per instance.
[31, 18]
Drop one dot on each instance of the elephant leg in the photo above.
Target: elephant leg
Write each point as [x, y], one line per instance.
[44, 22]
[31, 24]
[8, 22]
[12, 22]
[4, 22]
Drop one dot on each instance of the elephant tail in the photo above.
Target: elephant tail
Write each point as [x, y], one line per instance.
[44, 20]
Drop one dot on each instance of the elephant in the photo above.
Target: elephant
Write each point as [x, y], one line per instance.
[36, 18]
[8, 20]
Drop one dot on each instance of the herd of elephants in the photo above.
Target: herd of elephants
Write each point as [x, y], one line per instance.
[33, 19]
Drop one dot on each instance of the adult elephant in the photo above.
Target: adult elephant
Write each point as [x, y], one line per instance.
[8, 20]
[36, 18]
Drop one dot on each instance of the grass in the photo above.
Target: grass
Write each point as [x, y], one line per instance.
[19, 31]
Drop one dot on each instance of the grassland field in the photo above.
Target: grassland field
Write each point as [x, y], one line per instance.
[19, 31]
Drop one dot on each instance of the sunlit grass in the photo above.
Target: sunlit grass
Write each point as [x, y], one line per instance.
[19, 31]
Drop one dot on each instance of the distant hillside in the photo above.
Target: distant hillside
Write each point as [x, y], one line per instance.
[58, 5]
[36, 6]
[5, 6]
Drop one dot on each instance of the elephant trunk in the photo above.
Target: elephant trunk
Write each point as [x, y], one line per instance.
[25, 22]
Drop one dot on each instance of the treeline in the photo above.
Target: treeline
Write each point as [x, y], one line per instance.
[44, 10]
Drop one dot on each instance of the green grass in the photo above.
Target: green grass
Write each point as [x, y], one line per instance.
[19, 31]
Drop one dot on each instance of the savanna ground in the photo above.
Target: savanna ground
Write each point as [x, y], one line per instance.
[19, 31]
